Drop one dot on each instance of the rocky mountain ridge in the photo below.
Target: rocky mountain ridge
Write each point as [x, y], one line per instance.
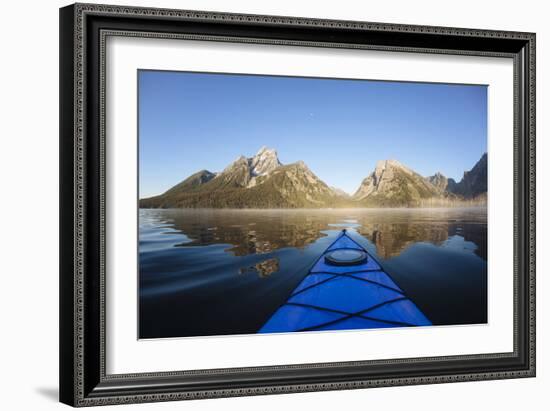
[392, 183]
[262, 181]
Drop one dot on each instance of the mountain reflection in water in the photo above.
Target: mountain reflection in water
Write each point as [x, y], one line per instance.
[390, 230]
[214, 272]
[263, 269]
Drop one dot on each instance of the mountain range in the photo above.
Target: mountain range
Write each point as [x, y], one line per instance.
[262, 181]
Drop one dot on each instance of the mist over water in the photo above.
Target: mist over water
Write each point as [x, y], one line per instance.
[215, 272]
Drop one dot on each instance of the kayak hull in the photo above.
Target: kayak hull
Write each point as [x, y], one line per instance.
[345, 297]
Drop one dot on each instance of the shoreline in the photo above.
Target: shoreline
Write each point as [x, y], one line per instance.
[465, 207]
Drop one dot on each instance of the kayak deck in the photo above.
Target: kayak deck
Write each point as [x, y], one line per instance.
[333, 297]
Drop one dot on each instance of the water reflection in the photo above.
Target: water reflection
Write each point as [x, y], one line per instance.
[219, 272]
[264, 268]
[264, 231]
[391, 239]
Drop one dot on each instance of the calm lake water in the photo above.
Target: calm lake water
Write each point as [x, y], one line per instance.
[215, 272]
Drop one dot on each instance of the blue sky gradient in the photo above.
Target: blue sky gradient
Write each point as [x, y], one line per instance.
[339, 128]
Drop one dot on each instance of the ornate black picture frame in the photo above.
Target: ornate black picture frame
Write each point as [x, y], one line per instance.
[83, 30]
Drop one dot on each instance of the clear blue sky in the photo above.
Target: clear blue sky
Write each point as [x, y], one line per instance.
[339, 128]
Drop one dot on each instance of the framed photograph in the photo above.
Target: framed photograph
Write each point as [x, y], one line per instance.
[261, 204]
